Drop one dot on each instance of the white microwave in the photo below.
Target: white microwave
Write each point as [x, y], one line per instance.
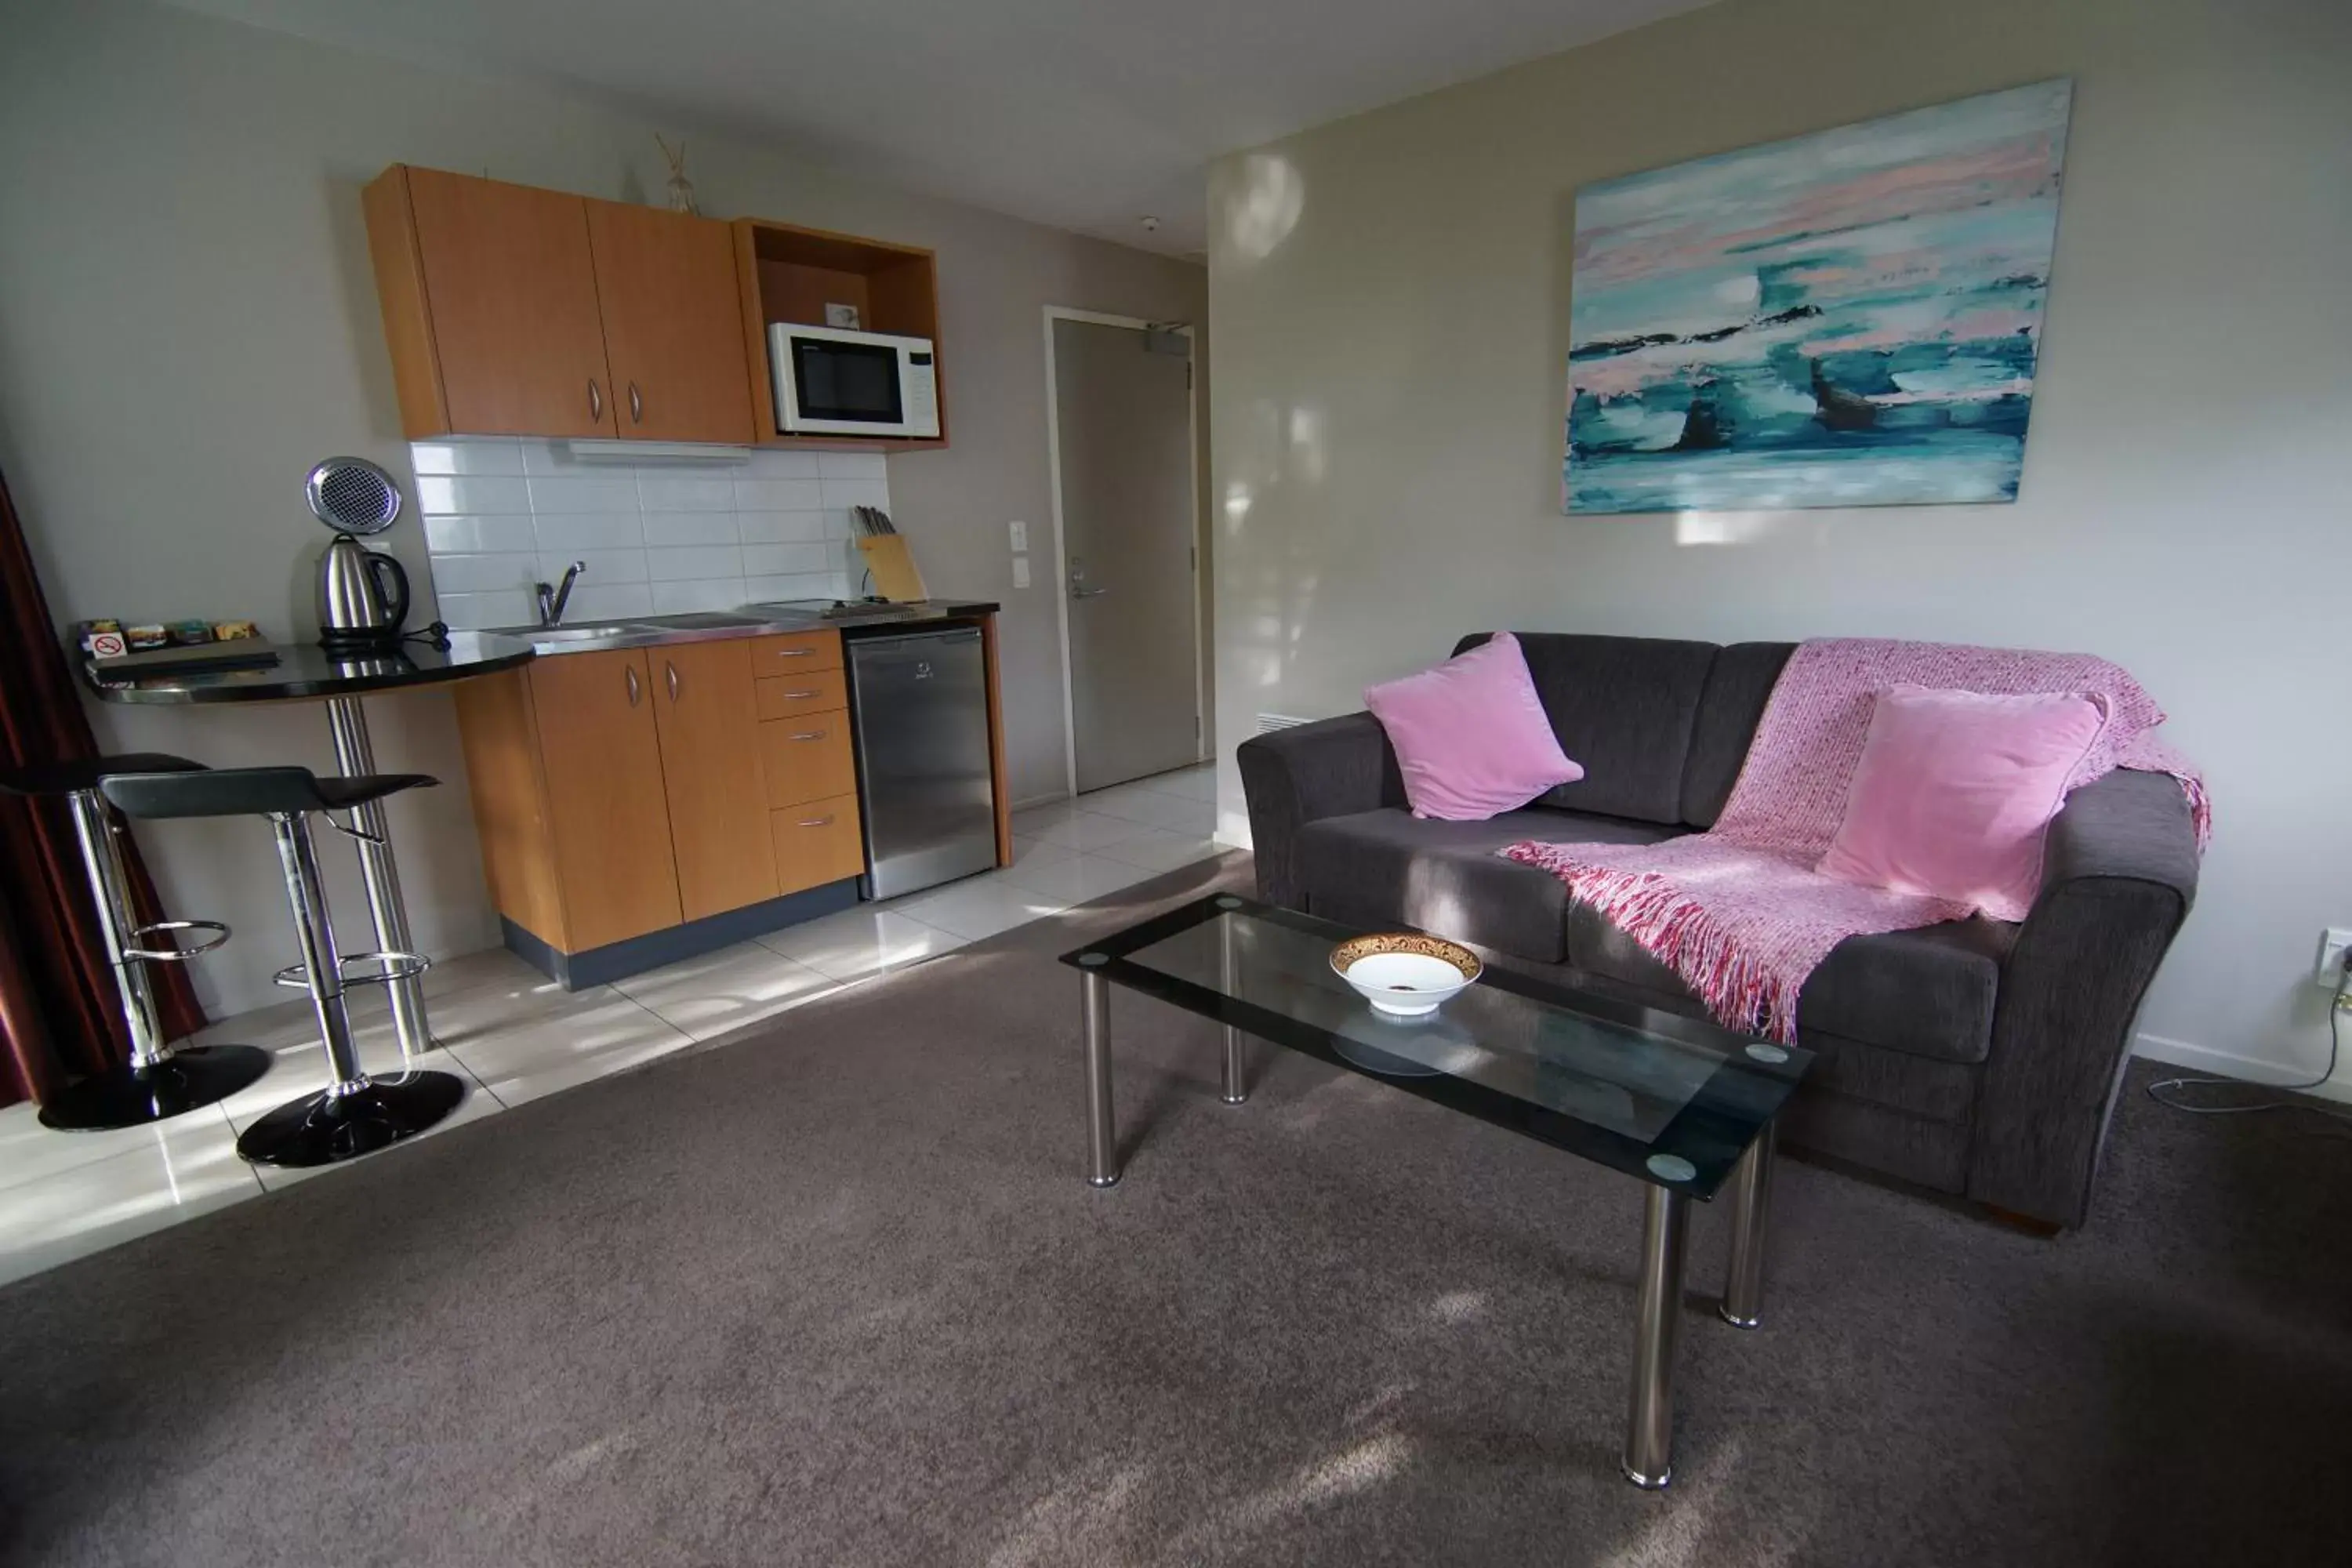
[834, 383]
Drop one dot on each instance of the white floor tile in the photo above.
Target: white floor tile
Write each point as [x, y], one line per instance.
[31, 1152]
[708, 996]
[1088, 831]
[587, 1036]
[1192, 784]
[1069, 876]
[1152, 809]
[1035, 820]
[93, 1206]
[1156, 850]
[980, 907]
[863, 942]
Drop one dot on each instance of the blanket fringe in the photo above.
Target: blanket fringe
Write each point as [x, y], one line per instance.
[1676, 930]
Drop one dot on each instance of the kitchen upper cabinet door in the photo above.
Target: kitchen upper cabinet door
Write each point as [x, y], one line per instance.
[673, 324]
[510, 286]
[601, 751]
[710, 722]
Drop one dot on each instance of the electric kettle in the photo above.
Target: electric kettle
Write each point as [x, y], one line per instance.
[362, 594]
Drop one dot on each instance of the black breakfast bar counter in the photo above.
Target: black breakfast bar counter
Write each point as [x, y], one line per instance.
[309, 673]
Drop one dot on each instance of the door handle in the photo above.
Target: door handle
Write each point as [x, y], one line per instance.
[1079, 592]
[1079, 589]
[629, 672]
[672, 670]
[636, 405]
[596, 402]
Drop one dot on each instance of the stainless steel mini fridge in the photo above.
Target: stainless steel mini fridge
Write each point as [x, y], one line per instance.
[919, 702]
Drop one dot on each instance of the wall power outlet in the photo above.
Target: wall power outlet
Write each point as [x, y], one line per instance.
[2333, 944]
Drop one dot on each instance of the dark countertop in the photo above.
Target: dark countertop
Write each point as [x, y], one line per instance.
[307, 670]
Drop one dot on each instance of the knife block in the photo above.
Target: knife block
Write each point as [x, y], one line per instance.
[893, 565]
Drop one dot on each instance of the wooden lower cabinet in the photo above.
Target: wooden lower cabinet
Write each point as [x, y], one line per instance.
[818, 842]
[709, 724]
[568, 784]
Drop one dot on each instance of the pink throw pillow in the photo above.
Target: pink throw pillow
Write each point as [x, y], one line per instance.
[1954, 791]
[1471, 736]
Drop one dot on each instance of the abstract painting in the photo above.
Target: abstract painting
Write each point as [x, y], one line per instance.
[1846, 318]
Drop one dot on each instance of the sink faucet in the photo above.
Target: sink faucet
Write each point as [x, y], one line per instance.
[551, 600]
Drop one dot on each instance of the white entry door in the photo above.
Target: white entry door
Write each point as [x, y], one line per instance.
[1123, 417]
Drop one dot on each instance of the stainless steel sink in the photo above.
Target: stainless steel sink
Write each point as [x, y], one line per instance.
[573, 633]
[700, 621]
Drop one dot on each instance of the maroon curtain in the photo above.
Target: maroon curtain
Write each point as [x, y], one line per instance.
[59, 1014]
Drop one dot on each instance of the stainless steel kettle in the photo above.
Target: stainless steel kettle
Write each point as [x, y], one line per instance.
[363, 597]
[362, 594]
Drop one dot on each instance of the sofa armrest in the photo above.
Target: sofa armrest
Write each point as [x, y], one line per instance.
[1333, 767]
[2119, 872]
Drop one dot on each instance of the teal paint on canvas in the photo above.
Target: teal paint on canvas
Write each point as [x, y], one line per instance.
[1846, 318]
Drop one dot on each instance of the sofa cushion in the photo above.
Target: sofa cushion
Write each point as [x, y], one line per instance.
[1377, 868]
[1622, 707]
[1471, 736]
[1924, 993]
[1738, 684]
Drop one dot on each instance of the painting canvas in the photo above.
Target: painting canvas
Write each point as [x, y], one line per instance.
[1846, 318]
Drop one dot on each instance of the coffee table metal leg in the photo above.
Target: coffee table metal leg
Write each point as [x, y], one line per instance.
[1102, 1145]
[1650, 1425]
[1235, 1091]
[1751, 1201]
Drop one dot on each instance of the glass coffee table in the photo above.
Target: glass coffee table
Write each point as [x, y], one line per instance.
[1679, 1105]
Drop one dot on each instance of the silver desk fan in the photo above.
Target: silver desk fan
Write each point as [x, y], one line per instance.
[362, 594]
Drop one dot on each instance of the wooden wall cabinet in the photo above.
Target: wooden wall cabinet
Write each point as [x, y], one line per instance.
[511, 311]
[789, 274]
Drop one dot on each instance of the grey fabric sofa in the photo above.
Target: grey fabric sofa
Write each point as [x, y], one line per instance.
[1977, 1058]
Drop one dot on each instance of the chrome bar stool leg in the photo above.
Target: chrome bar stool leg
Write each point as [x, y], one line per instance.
[379, 874]
[354, 1114]
[159, 1080]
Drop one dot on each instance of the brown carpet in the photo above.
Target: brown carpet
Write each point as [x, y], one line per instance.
[838, 1295]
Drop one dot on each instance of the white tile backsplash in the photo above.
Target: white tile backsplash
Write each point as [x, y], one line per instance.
[500, 514]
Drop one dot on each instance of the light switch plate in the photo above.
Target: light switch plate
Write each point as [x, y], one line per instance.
[1021, 570]
[1019, 532]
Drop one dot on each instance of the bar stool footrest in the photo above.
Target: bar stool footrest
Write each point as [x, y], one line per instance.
[390, 967]
[177, 953]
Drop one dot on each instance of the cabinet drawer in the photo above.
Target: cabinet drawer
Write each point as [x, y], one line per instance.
[797, 654]
[807, 758]
[812, 691]
[818, 842]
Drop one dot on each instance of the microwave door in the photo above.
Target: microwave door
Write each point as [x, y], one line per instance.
[847, 383]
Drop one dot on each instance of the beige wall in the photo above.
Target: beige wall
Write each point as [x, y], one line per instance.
[187, 321]
[1387, 418]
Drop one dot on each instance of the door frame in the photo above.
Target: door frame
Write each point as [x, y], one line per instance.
[1061, 546]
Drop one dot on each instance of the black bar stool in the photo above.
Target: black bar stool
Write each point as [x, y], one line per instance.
[160, 1079]
[355, 1114]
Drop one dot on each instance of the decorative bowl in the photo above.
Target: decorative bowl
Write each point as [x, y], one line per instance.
[1403, 973]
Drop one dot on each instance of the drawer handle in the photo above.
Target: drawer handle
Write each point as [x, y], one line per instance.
[799, 696]
[811, 735]
[796, 653]
[817, 821]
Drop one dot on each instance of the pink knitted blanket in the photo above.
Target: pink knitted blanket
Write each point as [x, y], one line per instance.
[1739, 913]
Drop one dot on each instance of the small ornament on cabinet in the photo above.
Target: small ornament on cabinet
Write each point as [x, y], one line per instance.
[682, 189]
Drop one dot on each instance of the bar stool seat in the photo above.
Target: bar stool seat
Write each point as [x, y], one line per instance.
[159, 1080]
[356, 1113]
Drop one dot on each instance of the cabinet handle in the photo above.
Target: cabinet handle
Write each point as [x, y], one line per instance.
[629, 672]
[795, 653]
[800, 696]
[636, 405]
[672, 669]
[817, 821]
[810, 735]
[596, 401]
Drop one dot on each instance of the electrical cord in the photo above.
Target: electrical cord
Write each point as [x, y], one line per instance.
[2334, 1050]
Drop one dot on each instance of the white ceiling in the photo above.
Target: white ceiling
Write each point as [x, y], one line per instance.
[1086, 114]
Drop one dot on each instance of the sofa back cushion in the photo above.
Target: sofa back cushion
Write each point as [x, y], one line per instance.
[1622, 707]
[1737, 686]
